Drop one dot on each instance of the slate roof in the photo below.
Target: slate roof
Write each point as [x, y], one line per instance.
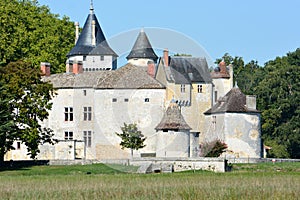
[126, 77]
[84, 45]
[142, 48]
[186, 70]
[234, 101]
[173, 119]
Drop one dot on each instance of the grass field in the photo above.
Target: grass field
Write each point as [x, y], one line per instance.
[98, 181]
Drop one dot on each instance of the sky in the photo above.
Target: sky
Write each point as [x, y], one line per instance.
[257, 30]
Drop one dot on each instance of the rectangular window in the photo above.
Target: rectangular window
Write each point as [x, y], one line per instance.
[18, 145]
[147, 100]
[114, 100]
[68, 113]
[84, 58]
[126, 100]
[200, 89]
[216, 96]
[84, 92]
[214, 122]
[87, 137]
[68, 135]
[87, 113]
[101, 58]
[182, 88]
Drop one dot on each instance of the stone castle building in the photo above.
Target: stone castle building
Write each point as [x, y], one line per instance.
[175, 101]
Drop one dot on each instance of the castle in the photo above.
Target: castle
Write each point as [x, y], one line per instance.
[176, 102]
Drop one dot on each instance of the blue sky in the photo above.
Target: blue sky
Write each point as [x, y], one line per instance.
[256, 29]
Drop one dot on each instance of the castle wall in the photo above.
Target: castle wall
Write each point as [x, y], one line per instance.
[243, 135]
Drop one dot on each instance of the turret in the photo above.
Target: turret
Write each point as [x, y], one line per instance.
[142, 51]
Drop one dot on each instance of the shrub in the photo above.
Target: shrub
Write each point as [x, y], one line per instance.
[213, 149]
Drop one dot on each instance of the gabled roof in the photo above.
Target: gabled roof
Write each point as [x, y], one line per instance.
[187, 70]
[234, 101]
[127, 77]
[142, 48]
[84, 44]
[173, 119]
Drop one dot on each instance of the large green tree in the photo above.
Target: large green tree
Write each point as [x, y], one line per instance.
[278, 99]
[31, 33]
[132, 138]
[25, 101]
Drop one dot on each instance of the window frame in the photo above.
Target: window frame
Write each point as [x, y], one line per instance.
[200, 88]
[87, 113]
[182, 88]
[69, 135]
[68, 114]
[87, 138]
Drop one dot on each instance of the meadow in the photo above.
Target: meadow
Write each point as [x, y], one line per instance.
[99, 181]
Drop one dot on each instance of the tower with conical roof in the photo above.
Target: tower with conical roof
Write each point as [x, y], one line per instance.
[91, 47]
[142, 51]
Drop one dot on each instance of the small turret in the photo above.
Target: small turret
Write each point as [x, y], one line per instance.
[141, 51]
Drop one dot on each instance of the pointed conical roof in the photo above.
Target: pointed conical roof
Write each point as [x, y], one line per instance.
[142, 48]
[173, 119]
[84, 44]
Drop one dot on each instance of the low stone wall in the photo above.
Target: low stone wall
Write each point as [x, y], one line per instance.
[150, 165]
[259, 160]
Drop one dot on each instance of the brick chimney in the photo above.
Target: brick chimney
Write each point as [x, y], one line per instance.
[69, 66]
[45, 68]
[222, 66]
[166, 57]
[77, 67]
[151, 68]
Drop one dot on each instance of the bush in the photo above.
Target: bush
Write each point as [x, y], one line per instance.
[213, 149]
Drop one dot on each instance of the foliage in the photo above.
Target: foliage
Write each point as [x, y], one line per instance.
[213, 149]
[31, 33]
[26, 99]
[278, 99]
[277, 87]
[131, 137]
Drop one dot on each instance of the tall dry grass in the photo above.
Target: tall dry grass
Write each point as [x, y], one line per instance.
[201, 185]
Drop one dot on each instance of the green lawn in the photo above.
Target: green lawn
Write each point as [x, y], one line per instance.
[98, 181]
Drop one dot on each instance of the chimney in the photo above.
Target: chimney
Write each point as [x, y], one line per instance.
[76, 31]
[222, 66]
[151, 68]
[45, 68]
[69, 66]
[77, 67]
[251, 102]
[166, 57]
[231, 75]
[93, 33]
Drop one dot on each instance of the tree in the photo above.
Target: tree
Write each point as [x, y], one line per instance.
[31, 33]
[26, 102]
[278, 98]
[213, 149]
[131, 137]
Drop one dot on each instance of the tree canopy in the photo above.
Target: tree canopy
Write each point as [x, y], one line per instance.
[25, 102]
[131, 137]
[31, 33]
